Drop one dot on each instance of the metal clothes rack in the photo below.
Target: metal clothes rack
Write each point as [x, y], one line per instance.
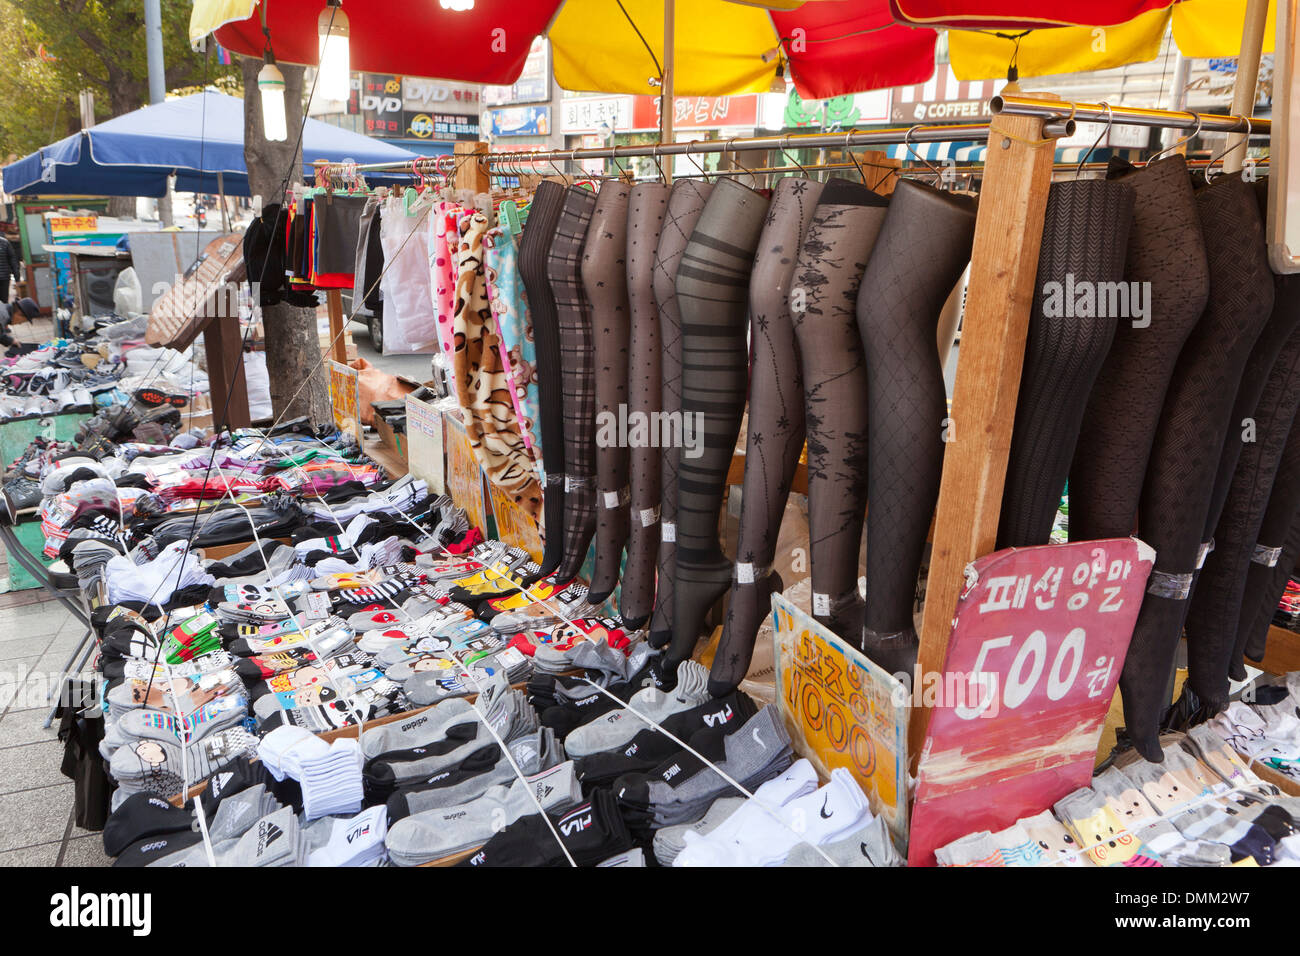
[1017, 173]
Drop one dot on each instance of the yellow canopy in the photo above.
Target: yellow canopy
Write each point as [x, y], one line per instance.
[1202, 28]
[596, 48]
[208, 15]
[977, 55]
[1213, 27]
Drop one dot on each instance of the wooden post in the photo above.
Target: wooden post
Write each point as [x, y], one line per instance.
[224, 348]
[338, 341]
[472, 174]
[1004, 263]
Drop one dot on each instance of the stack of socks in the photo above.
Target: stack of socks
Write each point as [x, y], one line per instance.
[434, 686]
[184, 688]
[355, 841]
[592, 832]
[433, 834]
[158, 766]
[871, 845]
[475, 773]
[193, 637]
[330, 774]
[175, 569]
[682, 787]
[144, 724]
[670, 841]
[648, 748]
[616, 729]
[609, 643]
[784, 812]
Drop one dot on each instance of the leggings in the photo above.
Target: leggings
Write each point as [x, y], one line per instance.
[564, 269]
[823, 302]
[1275, 553]
[604, 276]
[539, 233]
[1212, 652]
[685, 203]
[776, 430]
[1085, 237]
[712, 296]
[1166, 254]
[898, 309]
[645, 219]
[1189, 441]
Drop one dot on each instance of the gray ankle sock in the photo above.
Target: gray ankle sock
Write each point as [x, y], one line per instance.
[619, 726]
[670, 841]
[432, 834]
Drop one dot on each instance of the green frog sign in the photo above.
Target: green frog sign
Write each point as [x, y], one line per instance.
[839, 112]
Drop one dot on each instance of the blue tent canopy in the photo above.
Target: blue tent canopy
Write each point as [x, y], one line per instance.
[195, 137]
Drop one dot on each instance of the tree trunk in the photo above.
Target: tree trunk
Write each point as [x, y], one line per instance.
[299, 384]
[121, 207]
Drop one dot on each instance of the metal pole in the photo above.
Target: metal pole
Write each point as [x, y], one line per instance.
[153, 43]
[666, 97]
[1128, 115]
[221, 195]
[1243, 89]
[1178, 95]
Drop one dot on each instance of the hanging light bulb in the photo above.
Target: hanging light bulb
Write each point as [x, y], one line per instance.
[335, 70]
[270, 83]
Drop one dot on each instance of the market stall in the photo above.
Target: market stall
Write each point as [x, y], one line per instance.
[693, 559]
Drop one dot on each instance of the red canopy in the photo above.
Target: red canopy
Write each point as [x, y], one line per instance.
[1022, 14]
[845, 46]
[485, 44]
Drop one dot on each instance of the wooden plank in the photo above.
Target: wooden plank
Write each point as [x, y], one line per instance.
[1282, 654]
[1004, 263]
[472, 174]
[223, 347]
[338, 342]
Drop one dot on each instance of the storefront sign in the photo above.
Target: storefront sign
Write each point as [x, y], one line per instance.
[842, 711]
[698, 112]
[424, 444]
[71, 225]
[534, 83]
[464, 476]
[423, 95]
[1032, 664]
[442, 126]
[596, 114]
[513, 526]
[345, 397]
[943, 111]
[836, 113]
[519, 121]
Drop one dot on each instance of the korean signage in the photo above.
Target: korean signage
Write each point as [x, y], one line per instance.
[442, 126]
[698, 112]
[395, 107]
[424, 443]
[534, 83]
[519, 121]
[70, 225]
[596, 114]
[1033, 660]
[842, 711]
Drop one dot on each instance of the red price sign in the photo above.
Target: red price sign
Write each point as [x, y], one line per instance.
[1033, 660]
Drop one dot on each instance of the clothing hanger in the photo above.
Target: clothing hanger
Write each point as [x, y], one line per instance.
[1180, 143]
[1110, 121]
[907, 137]
[785, 151]
[703, 172]
[1209, 167]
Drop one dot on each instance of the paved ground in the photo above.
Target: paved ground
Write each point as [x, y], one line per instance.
[36, 800]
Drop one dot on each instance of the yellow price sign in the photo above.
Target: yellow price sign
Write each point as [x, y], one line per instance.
[842, 710]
